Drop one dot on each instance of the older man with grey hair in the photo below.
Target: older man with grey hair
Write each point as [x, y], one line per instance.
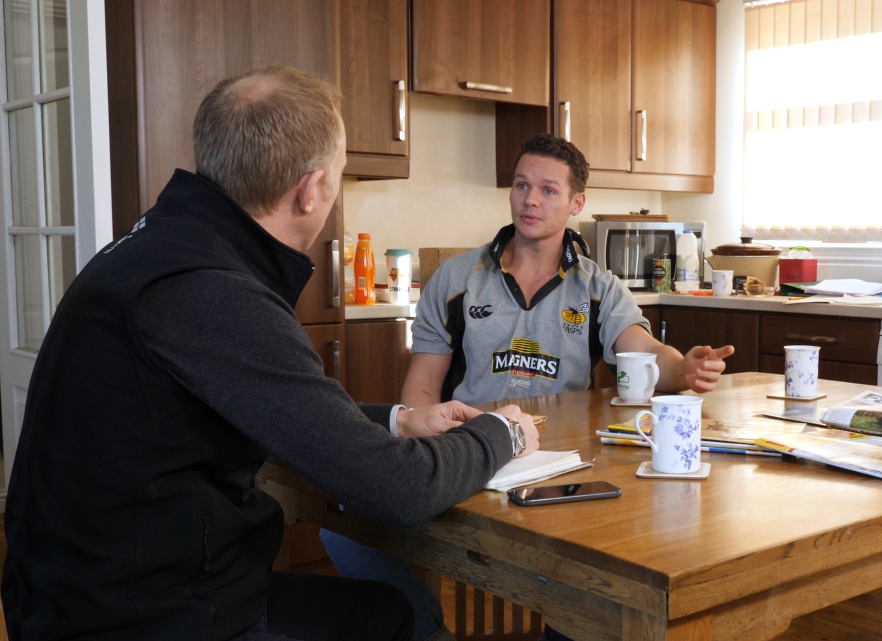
[174, 364]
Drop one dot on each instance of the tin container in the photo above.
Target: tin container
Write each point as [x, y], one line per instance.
[661, 275]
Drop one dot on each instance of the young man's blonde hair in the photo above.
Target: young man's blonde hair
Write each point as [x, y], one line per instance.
[255, 135]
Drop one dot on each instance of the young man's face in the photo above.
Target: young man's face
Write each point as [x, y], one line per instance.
[541, 198]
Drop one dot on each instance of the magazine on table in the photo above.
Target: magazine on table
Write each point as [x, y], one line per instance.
[839, 448]
[862, 414]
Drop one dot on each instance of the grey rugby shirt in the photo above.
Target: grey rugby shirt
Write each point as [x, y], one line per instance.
[473, 309]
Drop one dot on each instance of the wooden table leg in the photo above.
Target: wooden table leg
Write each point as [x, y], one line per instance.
[640, 626]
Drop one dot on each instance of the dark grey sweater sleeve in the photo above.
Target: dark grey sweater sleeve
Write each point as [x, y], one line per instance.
[238, 347]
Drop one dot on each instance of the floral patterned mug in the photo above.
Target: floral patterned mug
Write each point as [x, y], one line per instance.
[676, 433]
[801, 370]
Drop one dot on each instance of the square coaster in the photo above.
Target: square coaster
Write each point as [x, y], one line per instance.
[796, 398]
[619, 402]
[645, 471]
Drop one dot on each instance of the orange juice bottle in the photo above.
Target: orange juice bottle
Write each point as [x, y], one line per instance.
[365, 271]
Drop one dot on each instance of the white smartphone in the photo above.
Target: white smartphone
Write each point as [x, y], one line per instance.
[594, 490]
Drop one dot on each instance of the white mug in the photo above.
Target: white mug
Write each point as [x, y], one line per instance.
[722, 280]
[801, 370]
[636, 376]
[676, 433]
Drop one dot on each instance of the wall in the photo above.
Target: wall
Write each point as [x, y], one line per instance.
[450, 199]
[721, 210]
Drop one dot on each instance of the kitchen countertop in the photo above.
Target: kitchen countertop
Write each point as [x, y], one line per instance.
[757, 304]
[381, 311]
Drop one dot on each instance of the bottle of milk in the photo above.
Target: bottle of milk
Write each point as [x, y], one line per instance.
[687, 257]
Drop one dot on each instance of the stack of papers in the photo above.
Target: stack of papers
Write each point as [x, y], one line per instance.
[717, 435]
[845, 286]
[535, 467]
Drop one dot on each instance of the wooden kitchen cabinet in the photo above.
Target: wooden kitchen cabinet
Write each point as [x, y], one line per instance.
[592, 79]
[502, 46]
[622, 68]
[164, 56]
[374, 83]
[849, 346]
[377, 359]
[686, 327]
[329, 341]
[674, 77]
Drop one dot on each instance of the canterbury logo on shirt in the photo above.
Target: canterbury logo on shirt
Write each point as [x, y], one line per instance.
[524, 358]
[480, 311]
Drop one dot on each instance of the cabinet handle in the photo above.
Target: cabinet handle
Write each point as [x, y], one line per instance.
[664, 331]
[565, 120]
[642, 154]
[335, 350]
[823, 340]
[335, 273]
[402, 110]
[480, 86]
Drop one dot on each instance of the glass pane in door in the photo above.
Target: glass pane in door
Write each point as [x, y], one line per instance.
[54, 67]
[29, 298]
[19, 57]
[23, 164]
[62, 267]
[58, 163]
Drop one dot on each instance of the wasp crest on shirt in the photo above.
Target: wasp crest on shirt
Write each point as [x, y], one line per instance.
[574, 317]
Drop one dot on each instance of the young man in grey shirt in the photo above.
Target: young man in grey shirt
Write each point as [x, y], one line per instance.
[524, 315]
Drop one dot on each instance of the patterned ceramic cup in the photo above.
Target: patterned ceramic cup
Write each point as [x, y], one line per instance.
[636, 376]
[676, 433]
[801, 370]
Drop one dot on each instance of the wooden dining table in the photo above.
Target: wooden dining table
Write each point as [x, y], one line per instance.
[759, 542]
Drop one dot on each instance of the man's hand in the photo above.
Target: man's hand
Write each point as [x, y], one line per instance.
[433, 420]
[514, 413]
[702, 367]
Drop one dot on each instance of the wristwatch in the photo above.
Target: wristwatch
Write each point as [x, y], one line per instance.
[518, 439]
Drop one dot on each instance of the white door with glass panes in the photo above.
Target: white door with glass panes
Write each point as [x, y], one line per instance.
[55, 187]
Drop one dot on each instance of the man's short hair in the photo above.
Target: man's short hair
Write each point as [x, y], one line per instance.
[559, 149]
[256, 135]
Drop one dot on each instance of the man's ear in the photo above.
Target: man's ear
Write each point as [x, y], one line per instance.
[307, 189]
[577, 204]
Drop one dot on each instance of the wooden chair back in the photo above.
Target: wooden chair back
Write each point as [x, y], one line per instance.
[4, 636]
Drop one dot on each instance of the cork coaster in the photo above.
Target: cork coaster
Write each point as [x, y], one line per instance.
[784, 397]
[645, 471]
[620, 402]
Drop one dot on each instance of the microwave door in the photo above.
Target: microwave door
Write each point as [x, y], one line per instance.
[625, 255]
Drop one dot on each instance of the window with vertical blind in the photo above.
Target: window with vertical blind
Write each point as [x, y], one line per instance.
[813, 119]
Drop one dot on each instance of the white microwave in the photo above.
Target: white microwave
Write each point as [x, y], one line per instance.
[629, 248]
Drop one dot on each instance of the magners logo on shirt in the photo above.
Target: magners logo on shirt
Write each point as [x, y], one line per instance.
[524, 358]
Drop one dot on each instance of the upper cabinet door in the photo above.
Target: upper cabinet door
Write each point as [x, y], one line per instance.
[492, 49]
[674, 87]
[178, 52]
[374, 82]
[592, 53]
